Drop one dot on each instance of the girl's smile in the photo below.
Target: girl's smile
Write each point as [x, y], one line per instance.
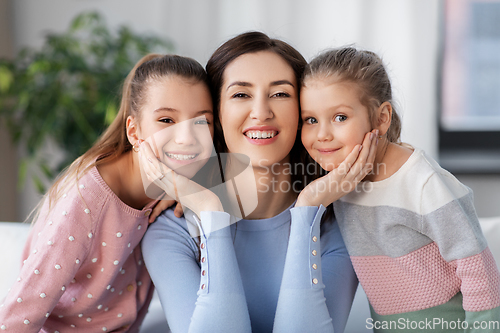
[334, 120]
[178, 124]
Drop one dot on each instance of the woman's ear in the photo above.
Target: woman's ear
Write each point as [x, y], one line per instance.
[383, 117]
[132, 130]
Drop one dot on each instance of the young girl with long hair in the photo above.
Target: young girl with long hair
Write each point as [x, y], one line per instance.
[83, 266]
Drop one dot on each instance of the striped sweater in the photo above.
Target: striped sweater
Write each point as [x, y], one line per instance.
[415, 242]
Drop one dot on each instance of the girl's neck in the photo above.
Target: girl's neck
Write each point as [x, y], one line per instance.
[123, 177]
[274, 191]
[389, 159]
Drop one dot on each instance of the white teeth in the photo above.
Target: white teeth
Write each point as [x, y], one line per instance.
[181, 157]
[260, 134]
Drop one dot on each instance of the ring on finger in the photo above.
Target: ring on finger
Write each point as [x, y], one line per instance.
[161, 177]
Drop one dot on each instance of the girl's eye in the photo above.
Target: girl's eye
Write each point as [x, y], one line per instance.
[281, 94]
[167, 120]
[340, 118]
[201, 122]
[310, 120]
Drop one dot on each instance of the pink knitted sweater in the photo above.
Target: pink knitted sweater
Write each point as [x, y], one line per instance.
[83, 269]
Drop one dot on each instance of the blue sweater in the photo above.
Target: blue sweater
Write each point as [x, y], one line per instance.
[269, 275]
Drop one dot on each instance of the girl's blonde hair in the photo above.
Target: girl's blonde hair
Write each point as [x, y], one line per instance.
[114, 141]
[366, 70]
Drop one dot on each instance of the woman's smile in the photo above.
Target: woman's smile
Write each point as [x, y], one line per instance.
[259, 108]
[261, 135]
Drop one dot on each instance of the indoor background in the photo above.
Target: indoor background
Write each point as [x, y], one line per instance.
[408, 34]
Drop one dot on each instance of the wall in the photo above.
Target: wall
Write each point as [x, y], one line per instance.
[8, 156]
[486, 190]
[405, 33]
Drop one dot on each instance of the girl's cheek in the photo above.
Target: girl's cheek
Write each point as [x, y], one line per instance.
[308, 137]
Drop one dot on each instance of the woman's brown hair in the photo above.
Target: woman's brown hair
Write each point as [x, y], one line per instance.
[251, 42]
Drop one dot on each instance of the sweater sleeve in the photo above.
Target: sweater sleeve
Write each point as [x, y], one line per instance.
[455, 228]
[60, 242]
[302, 306]
[197, 296]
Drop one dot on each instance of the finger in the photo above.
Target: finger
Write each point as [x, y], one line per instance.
[367, 143]
[345, 168]
[370, 159]
[150, 167]
[157, 169]
[149, 155]
[361, 161]
[179, 211]
[159, 208]
[348, 162]
[373, 150]
[155, 147]
[146, 161]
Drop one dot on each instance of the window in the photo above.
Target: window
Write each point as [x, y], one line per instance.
[470, 87]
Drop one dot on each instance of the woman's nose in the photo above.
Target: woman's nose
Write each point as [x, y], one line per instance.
[261, 109]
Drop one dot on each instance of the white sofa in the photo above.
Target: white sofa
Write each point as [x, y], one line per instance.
[13, 236]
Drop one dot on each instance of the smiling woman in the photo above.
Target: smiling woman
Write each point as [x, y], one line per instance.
[259, 98]
[280, 268]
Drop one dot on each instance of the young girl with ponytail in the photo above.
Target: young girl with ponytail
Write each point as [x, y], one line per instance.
[83, 265]
[410, 226]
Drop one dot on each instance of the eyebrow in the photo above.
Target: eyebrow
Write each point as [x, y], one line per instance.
[342, 106]
[248, 84]
[175, 110]
[166, 109]
[303, 111]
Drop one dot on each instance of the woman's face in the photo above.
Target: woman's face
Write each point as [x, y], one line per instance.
[177, 121]
[259, 108]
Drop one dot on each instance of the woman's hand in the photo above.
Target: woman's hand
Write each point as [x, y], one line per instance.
[342, 180]
[164, 204]
[183, 190]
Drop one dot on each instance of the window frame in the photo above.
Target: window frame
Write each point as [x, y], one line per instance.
[463, 151]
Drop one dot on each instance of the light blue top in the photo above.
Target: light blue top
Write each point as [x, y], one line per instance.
[269, 275]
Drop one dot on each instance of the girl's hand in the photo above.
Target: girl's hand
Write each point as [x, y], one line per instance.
[164, 204]
[342, 180]
[183, 190]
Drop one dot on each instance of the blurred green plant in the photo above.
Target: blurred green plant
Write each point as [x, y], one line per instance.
[68, 91]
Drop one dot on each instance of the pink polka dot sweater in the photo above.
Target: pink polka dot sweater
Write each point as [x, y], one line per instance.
[83, 268]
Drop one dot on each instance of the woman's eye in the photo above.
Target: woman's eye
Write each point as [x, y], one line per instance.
[281, 94]
[310, 120]
[167, 120]
[340, 118]
[240, 95]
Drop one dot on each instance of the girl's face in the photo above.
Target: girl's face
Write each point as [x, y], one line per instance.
[177, 121]
[334, 121]
[259, 109]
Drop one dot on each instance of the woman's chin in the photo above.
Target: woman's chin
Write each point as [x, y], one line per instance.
[269, 160]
